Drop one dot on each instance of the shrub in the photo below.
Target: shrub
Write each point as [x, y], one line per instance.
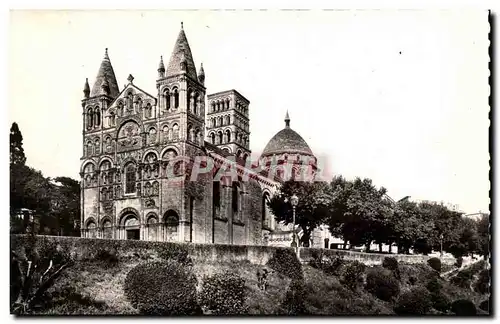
[417, 301]
[485, 305]
[285, 262]
[176, 252]
[462, 279]
[435, 264]
[463, 307]
[459, 262]
[107, 255]
[382, 284]
[482, 284]
[162, 288]
[293, 304]
[392, 264]
[223, 294]
[434, 285]
[352, 275]
[440, 301]
[33, 272]
[328, 266]
[412, 280]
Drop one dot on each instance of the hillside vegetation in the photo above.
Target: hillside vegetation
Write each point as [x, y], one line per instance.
[167, 281]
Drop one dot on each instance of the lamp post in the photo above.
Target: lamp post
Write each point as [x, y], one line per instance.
[441, 241]
[294, 200]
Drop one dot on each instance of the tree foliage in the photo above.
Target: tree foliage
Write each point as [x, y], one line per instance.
[17, 156]
[312, 209]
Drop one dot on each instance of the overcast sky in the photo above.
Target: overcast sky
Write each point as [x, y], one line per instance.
[400, 97]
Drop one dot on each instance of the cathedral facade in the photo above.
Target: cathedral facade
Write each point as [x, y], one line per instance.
[139, 152]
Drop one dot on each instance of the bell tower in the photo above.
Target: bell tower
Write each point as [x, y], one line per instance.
[228, 123]
[181, 96]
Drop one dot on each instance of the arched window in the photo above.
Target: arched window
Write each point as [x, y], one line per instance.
[152, 135]
[152, 228]
[90, 118]
[212, 138]
[220, 138]
[228, 120]
[165, 134]
[197, 136]
[189, 100]
[265, 213]
[107, 230]
[218, 105]
[120, 108]
[156, 188]
[227, 103]
[172, 224]
[148, 110]
[89, 148]
[112, 119]
[97, 117]
[130, 178]
[228, 136]
[167, 99]
[195, 104]
[189, 134]
[236, 200]
[91, 229]
[97, 147]
[213, 106]
[148, 189]
[175, 132]
[216, 198]
[176, 98]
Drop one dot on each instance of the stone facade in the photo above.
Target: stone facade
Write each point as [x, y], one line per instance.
[138, 153]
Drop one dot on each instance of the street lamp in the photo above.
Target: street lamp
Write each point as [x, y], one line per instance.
[441, 239]
[294, 200]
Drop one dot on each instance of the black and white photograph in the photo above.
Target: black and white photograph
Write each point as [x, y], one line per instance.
[250, 163]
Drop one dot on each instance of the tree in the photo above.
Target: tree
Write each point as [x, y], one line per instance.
[410, 225]
[312, 209]
[65, 205]
[360, 213]
[483, 233]
[17, 156]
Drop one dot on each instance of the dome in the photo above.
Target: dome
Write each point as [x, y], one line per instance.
[287, 141]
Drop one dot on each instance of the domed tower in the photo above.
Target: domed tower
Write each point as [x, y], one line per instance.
[287, 153]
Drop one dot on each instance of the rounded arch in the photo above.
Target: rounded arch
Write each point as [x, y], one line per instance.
[89, 221]
[169, 152]
[151, 216]
[127, 212]
[150, 154]
[86, 165]
[171, 217]
[220, 139]
[227, 150]
[104, 159]
[105, 220]
[212, 137]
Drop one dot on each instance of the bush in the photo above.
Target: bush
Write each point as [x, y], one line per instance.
[352, 275]
[392, 264]
[485, 305]
[417, 301]
[482, 284]
[328, 266]
[176, 252]
[223, 294]
[435, 264]
[412, 280]
[459, 261]
[434, 285]
[462, 279]
[285, 262]
[463, 307]
[382, 284]
[440, 302]
[107, 255]
[162, 288]
[293, 304]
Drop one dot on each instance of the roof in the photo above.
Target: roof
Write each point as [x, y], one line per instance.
[105, 73]
[181, 52]
[287, 141]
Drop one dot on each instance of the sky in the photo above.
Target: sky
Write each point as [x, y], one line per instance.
[400, 97]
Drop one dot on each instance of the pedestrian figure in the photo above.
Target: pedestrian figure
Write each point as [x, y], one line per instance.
[264, 279]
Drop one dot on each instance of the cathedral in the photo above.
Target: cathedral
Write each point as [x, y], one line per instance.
[138, 152]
